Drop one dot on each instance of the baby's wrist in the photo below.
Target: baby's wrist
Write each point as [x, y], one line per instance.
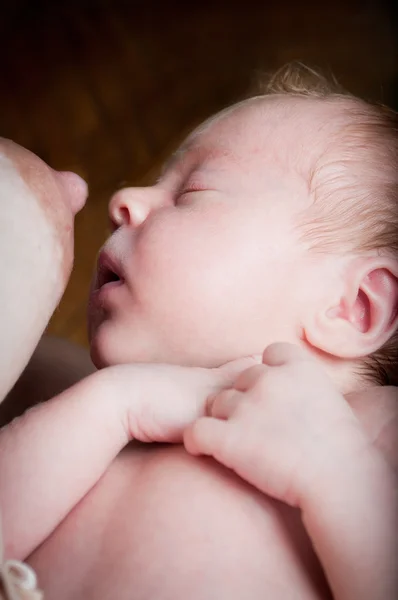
[126, 390]
[109, 403]
[339, 460]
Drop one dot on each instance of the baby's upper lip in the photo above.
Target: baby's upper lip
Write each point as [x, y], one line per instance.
[108, 269]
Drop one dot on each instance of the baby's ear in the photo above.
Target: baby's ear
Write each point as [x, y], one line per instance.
[366, 315]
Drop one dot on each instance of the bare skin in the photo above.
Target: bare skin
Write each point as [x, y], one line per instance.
[197, 508]
[202, 512]
[162, 524]
[37, 209]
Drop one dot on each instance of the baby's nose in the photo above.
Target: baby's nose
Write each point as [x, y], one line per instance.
[131, 206]
[76, 189]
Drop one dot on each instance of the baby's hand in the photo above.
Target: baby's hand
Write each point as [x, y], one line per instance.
[279, 425]
[160, 401]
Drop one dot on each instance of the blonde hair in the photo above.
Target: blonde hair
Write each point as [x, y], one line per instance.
[354, 183]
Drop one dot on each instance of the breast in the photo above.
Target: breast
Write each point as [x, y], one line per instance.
[163, 525]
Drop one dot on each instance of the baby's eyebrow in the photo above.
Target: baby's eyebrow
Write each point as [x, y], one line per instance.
[193, 154]
[173, 159]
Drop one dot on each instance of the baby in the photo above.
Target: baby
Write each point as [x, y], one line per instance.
[274, 222]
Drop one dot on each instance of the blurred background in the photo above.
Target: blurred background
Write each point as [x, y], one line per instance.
[108, 88]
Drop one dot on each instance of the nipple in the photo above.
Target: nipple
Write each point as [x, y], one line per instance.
[76, 189]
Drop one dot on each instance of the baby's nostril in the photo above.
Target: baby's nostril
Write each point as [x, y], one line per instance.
[122, 216]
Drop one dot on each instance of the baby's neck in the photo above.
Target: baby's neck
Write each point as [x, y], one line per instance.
[345, 373]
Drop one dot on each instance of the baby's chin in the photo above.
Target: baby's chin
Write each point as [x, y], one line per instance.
[100, 352]
[108, 346]
[113, 342]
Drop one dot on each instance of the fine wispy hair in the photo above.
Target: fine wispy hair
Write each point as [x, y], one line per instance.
[354, 183]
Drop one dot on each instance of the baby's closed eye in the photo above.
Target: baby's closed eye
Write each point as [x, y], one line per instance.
[186, 196]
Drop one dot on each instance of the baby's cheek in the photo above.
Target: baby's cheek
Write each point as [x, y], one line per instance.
[180, 250]
[179, 276]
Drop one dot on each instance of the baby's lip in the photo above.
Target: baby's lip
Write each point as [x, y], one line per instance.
[108, 270]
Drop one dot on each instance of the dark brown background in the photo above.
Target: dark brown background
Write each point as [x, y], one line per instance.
[108, 88]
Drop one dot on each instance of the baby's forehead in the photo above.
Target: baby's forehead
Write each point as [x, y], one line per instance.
[285, 131]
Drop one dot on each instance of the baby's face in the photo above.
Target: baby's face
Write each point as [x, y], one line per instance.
[207, 264]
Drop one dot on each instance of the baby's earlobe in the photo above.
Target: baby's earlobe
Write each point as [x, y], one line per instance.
[366, 317]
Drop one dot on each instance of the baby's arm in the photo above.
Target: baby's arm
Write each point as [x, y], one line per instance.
[350, 511]
[284, 428]
[53, 454]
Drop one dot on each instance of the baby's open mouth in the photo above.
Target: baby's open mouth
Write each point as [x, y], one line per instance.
[107, 272]
[108, 277]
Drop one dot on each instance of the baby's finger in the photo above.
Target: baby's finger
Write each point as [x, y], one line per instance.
[222, 405]
[231, 370]
[205, 436]
[280, 353]
[248, 378]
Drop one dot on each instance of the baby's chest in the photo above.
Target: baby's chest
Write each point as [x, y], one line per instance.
[163, 525]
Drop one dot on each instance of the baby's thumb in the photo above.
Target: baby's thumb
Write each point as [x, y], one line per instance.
[205, 437]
